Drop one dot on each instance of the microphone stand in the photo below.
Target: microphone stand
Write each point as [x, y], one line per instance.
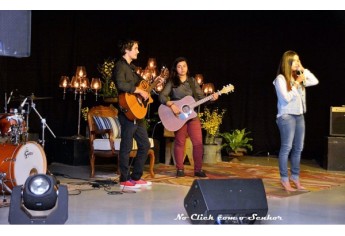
[43, 121]
[4, 186]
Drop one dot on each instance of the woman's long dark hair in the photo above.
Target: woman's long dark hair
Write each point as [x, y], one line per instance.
[173, 75]
[285, 67]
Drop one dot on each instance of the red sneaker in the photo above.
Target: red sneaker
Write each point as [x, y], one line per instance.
[129, 184]
[142, 182]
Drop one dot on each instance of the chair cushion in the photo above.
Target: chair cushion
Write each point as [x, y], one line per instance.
[108, 123]
[104, 144]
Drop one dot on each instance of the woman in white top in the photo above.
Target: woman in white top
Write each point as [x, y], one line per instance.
[290, 84]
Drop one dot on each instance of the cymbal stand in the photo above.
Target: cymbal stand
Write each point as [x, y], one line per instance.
[25, 115]
[43, 121]
[5, 108]
[27, 120]
[4, 186]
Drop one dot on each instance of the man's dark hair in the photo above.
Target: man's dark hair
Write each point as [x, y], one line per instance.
[126, 44]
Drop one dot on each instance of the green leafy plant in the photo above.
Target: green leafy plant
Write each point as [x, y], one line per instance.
[210, 121]
[236, 141]
[84, 112]
[108, 86]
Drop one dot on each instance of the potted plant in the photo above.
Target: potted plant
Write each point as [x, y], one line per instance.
[236, 143]
[108, 90]
[210, 121]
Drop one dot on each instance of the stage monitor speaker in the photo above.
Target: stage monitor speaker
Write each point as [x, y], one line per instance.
[226, 201]
[335, 154]
[15, 33]
[337, 121]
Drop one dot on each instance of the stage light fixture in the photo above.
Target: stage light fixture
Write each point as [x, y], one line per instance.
[39, 193]
[39, 201]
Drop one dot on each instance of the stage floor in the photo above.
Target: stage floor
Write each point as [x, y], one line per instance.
[162, 204]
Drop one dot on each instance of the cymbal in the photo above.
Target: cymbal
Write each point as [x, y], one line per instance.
[32, 97]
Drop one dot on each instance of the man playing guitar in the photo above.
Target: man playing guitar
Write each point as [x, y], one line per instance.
[127, 81]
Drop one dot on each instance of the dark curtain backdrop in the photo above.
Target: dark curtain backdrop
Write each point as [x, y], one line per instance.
[238, 47]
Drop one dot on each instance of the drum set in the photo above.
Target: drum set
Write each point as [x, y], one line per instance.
[19, 157]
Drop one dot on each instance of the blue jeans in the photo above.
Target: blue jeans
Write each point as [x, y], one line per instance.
[138, 131]
[292, 131]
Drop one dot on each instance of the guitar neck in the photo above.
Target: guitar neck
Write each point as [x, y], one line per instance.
[201, 101]
[153, 85]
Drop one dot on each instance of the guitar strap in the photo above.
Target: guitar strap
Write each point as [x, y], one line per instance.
[190, 81]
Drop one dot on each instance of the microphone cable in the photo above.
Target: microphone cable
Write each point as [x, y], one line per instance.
[124, 186]
[154, 127]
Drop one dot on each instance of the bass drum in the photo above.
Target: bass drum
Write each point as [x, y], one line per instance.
[18, 162]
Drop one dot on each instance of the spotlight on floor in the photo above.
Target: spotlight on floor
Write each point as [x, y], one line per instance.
[39, 201]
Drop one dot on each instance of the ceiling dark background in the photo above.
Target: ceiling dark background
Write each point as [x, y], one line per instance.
[238, 47]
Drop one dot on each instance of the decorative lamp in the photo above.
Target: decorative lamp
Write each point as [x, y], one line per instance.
[151, 63]
[208, 88]
[159, 88]
[74, 82]
[64, 83]
[96, 85]
[146, 74]
[199, 79]
[138, 70]
[80, 72]
[84, 85]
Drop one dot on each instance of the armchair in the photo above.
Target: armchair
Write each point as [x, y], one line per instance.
[105, 137]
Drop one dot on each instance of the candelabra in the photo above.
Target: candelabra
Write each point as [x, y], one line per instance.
[149, 74]
[80, 85]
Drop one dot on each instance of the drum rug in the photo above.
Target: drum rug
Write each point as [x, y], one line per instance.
[312, 180]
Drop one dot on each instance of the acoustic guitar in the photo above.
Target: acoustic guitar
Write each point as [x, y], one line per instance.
[133, 105]
[186, 105]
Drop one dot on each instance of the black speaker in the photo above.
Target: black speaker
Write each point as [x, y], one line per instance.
[335, 153]
[226, 201]
[15, 33]
[337, 121]
[71, 151]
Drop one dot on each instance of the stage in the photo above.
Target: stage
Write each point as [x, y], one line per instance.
[162, 203]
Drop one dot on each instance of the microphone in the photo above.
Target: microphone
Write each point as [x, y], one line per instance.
[22, 104]
[9, 98]
[299, 72]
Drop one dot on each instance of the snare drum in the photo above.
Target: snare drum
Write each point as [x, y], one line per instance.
[18, 162]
